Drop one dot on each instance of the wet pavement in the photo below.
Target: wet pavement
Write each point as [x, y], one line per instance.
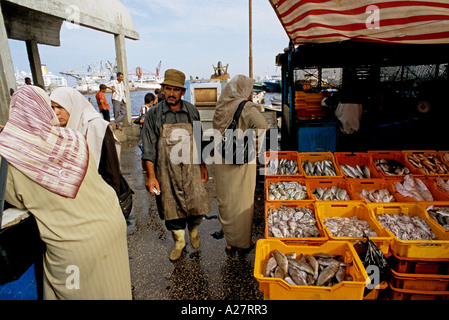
[206, 273]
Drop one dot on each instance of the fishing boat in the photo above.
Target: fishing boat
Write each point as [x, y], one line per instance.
[144, 80]
[50, 79]
[273, 83]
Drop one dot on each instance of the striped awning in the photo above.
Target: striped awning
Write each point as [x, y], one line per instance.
[388, 21]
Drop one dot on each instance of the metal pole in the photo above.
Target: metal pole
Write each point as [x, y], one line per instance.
[250, 41]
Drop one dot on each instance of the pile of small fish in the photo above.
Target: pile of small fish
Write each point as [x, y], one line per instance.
[376, 195]
[282, 166]
[287, 190]
[406, 227]
[440, 215]
[391, 167]
[443, 186]
[319, 269]
[319, 168]
[348, 227]
[330, 194]
[428, 164]
[415, 188]
[357, 172]
[446, 156]
[286, 222]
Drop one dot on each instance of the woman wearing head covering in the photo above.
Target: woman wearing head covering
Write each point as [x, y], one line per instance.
[75, 112]
[53, 176]
[236, 183]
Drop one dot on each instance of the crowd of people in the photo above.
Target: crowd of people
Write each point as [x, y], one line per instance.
[65, 170]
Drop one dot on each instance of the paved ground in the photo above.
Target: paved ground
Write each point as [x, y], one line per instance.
[207, 273]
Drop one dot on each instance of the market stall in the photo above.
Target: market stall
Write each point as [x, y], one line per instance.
[389, 182]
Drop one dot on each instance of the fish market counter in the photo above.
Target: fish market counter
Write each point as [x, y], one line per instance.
[321, 208]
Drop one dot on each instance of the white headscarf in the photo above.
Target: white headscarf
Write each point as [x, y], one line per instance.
[238, 89]
[84, 118]
[32, 142]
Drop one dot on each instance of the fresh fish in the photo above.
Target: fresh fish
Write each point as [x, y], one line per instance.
[281, 260]
[296, 276]
[301, 266]
[376, 195]
[324, 255]
[443, 186]
[391, 167]
[319, 168]
[356, 172]
[295, 222]
[348, 227]
[269, 267]
[340, 275]
[406, 227]
[428, 164]
[282, 167]
[313, 263]
[413, 187]
[440, 215]
[333, 193]
[327, 274]
[287, 190]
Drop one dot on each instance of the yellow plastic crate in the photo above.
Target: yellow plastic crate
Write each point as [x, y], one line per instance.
[435, 249]
[319, 156]
[279, 289]
[347, 210]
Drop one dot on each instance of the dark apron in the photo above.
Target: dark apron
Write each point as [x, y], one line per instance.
[182, 192]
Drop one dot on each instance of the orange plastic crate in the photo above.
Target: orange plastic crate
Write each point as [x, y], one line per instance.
[443, 156]
[435, 249]
[353, 159]
[426, 153]
[424, 282]
[418, 265]
[357, 185]
[328, 209]
[316, 156]
[289, 155]
[312, 184]
[438, 196]
[405, 294]
[311, 240]
[279, 289]
[394, 155]
[436, 206]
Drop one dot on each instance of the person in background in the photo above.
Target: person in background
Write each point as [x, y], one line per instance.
[103, 104]
[75, 112]
[183, 198]
[52, 175]
[149, 100]
[118, 99]
[28, 81]
[236, 183]
[160, 95]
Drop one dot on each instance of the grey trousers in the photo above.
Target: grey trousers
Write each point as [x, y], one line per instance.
[119, 111]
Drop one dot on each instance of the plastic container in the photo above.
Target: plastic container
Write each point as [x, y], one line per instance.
[328, 209]
[288, 155]
[419, 266]
[415, 248]
[443, 156]
[312, 184]
[301, 181]
[317, 137]
[424, 282]
[24, 288]
[393, 155]
[405, 294]
[353, 159]
[438, 196]
[358, 185]
[314, 157]
[279, 289]
[436, 206]
[309, 240]
[427, 153]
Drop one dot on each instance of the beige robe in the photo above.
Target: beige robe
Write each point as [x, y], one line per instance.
[87, 252]
[235, 187]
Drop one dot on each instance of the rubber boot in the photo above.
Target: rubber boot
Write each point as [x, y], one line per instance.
[180, 243]
[194, 237]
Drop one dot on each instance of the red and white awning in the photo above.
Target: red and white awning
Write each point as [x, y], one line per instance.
[389, 21]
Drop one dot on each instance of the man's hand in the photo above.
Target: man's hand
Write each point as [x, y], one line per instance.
[151, 180]
[204, 173]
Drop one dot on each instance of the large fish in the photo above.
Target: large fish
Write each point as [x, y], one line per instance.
[327, 274]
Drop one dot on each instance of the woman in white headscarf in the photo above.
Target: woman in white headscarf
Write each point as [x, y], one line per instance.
[52, 174]
[76, 112]
[236, 183]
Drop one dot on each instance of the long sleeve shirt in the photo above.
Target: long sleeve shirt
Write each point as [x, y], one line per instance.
[119, 93]
[154, 121]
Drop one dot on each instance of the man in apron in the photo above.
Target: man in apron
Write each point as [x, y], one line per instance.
[172, 163]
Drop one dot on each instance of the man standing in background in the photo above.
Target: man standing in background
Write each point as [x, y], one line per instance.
[102, 103]
[118, 99]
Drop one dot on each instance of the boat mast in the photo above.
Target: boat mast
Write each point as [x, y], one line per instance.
[250, 41]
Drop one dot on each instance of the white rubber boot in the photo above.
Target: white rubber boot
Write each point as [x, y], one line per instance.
[180, 243]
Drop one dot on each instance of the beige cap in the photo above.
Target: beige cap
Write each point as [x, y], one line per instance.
[174, 78]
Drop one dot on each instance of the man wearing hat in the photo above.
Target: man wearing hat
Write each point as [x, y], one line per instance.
[177, 182]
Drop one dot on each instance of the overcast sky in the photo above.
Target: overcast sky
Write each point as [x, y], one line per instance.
[189, 35]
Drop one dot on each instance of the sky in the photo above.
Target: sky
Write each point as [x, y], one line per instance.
[188, 35]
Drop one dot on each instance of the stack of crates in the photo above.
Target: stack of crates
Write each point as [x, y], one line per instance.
[309, 104]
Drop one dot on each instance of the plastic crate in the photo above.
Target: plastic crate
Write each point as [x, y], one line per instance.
[279, 289]
[424, 282]
[314, 157]
[438, 196]
[353, 159]
[302, 181]
[442, 154]
[419, 266]
[405, 294]
[426, 153]
[393, 155]
[312, 184]
[357, 185]
[317, 137]
[415, 248]
[310, 112]
[328, 209]
[310, 240]
[436, 206]
[24, 288]
[289, 155]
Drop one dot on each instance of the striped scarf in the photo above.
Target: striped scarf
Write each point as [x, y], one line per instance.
[32, 141]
